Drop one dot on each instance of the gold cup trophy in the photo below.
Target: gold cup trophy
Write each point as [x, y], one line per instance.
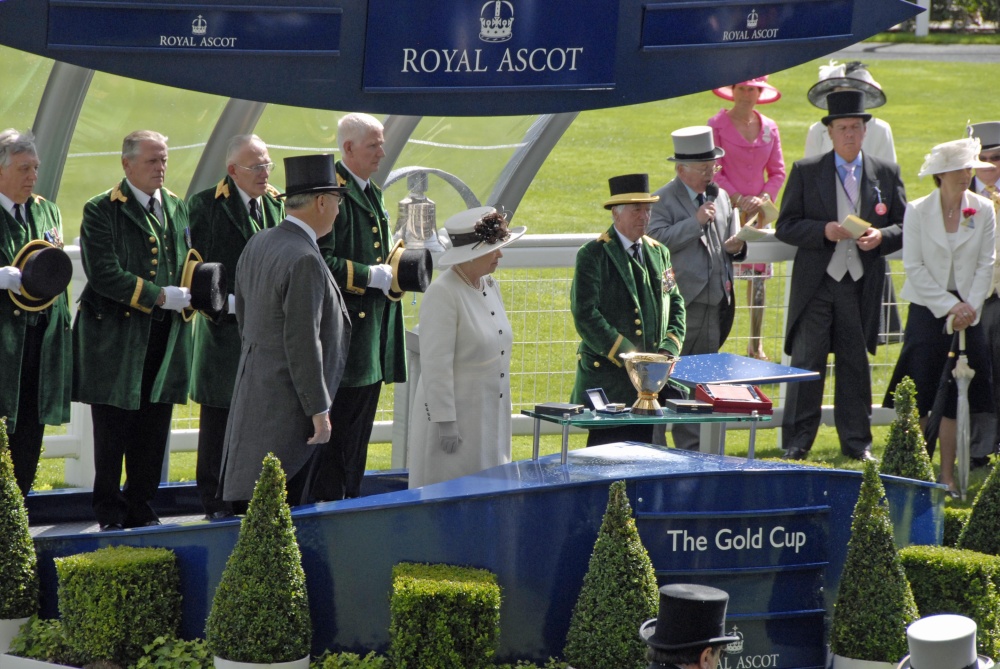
[648, 372]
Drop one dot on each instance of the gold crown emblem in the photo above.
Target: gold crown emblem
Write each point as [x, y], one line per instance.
[735, 646]
[495, 26]
[752, 19]
[199, 26]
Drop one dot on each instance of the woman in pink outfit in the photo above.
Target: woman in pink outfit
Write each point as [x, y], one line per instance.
[753, 170]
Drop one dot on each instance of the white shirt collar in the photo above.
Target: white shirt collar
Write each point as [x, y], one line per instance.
[246, 198]
[626, 242]
[361, 182]
[143, 198]
[8, 204]
[302, 224]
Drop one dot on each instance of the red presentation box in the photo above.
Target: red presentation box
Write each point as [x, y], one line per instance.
[734, 398]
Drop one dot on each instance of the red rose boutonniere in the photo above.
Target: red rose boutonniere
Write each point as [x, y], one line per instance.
[968, 213]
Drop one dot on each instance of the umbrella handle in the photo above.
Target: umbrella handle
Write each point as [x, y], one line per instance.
[961, 342]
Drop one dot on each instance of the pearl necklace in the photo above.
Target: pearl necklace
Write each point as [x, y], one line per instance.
[466, 279]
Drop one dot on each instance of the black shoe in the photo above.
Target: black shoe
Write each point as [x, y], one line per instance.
[218, 515]
[795, 454]
[111, 527]
[976, 463]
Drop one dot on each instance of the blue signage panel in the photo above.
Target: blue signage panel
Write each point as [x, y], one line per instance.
[91, 24]
[713, 24]
[508, 44]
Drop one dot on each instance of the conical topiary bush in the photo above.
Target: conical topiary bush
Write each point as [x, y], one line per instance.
[619, 593]
[18, 564]
[875, 603]
[261, 611]
[982, 532]
[906, 451]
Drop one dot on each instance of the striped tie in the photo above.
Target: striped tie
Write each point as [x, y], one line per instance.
[851, 185]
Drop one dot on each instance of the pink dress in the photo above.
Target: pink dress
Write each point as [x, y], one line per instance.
[749, 168]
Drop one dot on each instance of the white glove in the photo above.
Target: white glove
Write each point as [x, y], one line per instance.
[10, 279]
[176, 299]
[231, 304]
[380, 277]
[450, 439]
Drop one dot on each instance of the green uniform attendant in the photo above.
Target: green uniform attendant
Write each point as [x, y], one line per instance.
[45, 397]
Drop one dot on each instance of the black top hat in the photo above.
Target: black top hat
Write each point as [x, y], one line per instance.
[46, 270]
[311, 174]
[846, 104]
[208, 284]
[690, 616]
[630, 189]
[411, 270]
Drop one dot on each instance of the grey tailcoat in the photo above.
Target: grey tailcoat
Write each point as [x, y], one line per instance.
[295, 335]
[672, 222]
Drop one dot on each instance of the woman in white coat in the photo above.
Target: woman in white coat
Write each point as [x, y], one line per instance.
[948, 255]
[460, 420]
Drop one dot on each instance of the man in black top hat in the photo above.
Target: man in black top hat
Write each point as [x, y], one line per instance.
[837, 279]
[690, 629]
[624, 298]
[295, 332]
[33, 333]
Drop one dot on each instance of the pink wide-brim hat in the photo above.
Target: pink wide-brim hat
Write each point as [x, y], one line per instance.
[768, 93]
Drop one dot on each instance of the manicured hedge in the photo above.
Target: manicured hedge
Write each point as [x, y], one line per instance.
[18, 564]
[955, 520]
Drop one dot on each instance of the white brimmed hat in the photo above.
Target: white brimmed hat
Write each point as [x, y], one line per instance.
[945, 641]
[459, 233]
[695, 144]
[957, 154]
[846, 75]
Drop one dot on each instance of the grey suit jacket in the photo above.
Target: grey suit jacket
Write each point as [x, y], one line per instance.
[295, 336]
[673, 224]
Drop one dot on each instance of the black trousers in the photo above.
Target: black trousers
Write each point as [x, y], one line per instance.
[211, 439]
[341, 461]
[140, 437]
[26, 440]
[831, 323]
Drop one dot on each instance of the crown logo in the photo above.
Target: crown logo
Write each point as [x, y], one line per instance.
[495, 25]
[752, 19]
[735, 646]
[199, 26]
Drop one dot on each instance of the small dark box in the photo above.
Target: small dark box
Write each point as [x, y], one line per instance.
[688, 406]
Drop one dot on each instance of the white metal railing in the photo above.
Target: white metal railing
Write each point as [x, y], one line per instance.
[537, 378]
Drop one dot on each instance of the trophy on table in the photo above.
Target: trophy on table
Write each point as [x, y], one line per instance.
[648, 372]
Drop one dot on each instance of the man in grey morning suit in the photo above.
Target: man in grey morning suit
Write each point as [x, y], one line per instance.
[698, 227]
[295, 335]
[836, 290]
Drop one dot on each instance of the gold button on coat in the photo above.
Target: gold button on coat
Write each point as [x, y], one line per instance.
[638, 333]
[153, 261]
[361, 314]
[597, 364]
[154, 250]
[377, 245]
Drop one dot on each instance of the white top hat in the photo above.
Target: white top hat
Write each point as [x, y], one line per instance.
[695, 144]
[465, 243]
[946, 641]
[987, 133]
[957, 154]
[853, 75]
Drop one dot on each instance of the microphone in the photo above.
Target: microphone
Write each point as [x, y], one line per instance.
[711, 192]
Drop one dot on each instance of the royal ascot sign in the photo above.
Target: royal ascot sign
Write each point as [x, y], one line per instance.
[89, 24]
[497, 44]
[712, 24]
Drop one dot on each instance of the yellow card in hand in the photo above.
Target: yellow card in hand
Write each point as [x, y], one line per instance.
[856, 226]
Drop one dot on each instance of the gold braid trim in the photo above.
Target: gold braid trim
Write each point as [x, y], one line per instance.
[677, 341]
[351, 288]
[614, 349]
[134, 302]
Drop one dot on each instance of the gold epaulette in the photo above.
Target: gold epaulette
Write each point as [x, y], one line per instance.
[604, 239]
[272, 191]
[340, 179]
[38, 198]
[222, 190]
[650, 240]
[117, 194]
[170, 193]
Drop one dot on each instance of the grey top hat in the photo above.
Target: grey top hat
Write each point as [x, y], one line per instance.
[695, 144]
[945, 641]
[987, 133]
[311, 174]
[690, 616]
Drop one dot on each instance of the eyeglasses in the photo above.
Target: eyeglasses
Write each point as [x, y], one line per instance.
[258, 169]
[339, 196]
[993, 158]
[714, 169]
